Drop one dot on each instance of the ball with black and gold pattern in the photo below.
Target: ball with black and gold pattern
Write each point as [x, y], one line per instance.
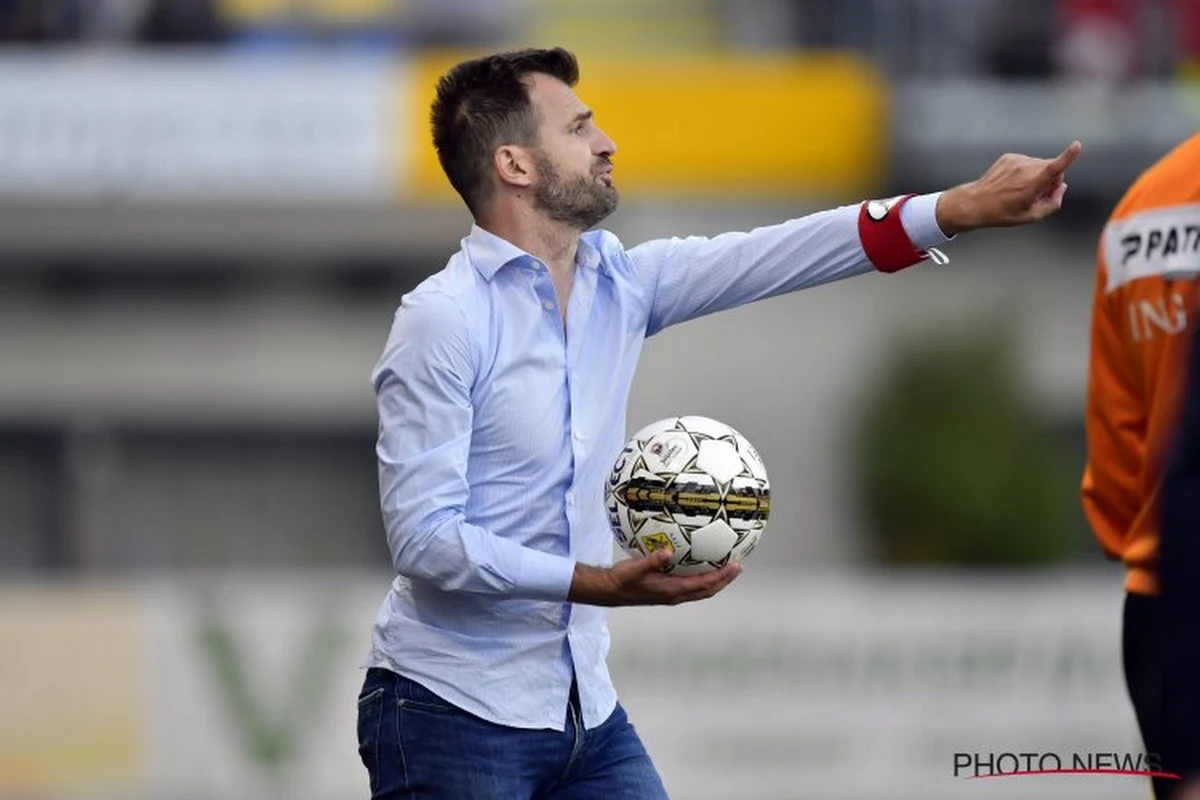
[692, 485]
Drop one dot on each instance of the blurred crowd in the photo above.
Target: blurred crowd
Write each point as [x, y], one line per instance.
[1015, 39]
[1113, 39]
[287, 23]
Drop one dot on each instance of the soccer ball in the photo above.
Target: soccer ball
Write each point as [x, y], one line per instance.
[692, 485]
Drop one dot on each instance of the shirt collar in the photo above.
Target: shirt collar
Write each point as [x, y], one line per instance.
[487, 252]
[588, 255]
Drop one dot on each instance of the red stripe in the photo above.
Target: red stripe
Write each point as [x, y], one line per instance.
[885, 241]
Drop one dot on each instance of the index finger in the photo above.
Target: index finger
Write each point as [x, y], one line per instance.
[1065, 159]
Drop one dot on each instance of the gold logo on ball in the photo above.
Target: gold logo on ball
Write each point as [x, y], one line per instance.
[656, 541]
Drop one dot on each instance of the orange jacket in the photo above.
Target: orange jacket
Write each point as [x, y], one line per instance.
[1145, 300]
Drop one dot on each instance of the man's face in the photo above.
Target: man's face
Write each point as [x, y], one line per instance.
[573, 157]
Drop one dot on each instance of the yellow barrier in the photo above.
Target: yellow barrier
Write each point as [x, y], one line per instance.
[727, 126]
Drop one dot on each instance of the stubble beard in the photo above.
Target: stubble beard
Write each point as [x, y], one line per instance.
[581, 202]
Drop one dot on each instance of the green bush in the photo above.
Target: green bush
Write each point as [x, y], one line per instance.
[953, 465]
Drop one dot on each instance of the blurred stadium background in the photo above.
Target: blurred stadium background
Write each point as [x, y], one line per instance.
[210, 208]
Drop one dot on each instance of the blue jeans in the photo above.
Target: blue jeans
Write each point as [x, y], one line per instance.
[414, 745]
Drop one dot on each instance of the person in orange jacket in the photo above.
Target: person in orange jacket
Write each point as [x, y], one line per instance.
[1142, 314]
[1180, 578]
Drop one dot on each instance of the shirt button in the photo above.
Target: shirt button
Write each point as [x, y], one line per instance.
[570, 498]
[548, 305]
[578, 436]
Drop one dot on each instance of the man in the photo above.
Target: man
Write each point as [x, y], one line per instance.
[1180, 569]
[1142, 310]
[501, 395]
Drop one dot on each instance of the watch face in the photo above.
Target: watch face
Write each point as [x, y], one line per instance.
[878, 209]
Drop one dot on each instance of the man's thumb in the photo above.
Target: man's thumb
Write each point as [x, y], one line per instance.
[656, 560]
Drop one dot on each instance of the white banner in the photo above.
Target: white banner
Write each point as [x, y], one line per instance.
[198, 128]
[833, 687]
[849, 688]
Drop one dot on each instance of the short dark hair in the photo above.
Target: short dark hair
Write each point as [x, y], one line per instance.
[484, 103]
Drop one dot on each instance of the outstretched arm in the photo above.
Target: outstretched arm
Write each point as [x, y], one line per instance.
[686, 278]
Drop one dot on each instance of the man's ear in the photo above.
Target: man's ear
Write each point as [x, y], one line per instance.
[514, 165]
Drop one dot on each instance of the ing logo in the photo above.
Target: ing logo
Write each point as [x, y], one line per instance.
[1150, 318]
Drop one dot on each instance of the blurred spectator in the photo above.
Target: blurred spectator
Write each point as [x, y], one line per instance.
[1111, 40]
[1021, 40]
[115, 21]
[1098, 38]
[374, 23]
[181, 22]
[41, 20]
[462, 22]
[1185, 25]
[838, 23]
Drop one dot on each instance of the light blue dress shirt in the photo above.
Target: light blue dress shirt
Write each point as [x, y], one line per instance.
[497, 429]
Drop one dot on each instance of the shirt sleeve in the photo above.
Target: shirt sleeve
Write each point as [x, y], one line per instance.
[686, 278]
[423, 390]
[1115, 425]
[919, 217]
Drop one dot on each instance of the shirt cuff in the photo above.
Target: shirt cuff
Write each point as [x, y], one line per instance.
[545, 576]
[919, 218]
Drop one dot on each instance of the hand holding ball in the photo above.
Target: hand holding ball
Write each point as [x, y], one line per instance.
[692, 485]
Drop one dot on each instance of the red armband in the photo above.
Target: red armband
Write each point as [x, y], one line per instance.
[883, 237]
